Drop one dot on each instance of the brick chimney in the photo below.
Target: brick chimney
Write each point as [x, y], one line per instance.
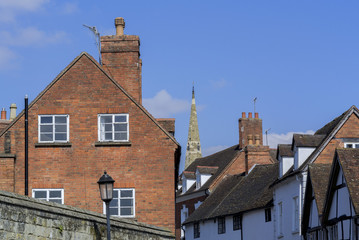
[13, 111]
[250, 130]
[121, 59]
[3, 114]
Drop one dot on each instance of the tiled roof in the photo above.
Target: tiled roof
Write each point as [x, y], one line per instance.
[319, 175]
[349, 161]
[328, 128]
[307, 140]
[285, 150]
[220, 159]
[189, 175]
[207, 170]
[237, 194]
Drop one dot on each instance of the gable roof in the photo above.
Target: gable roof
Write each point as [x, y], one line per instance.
[284, 150]
[319, 175]
[307, 140]
[219, 159]
[239, 194]
[84, 54]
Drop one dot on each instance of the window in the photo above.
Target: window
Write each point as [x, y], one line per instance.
[113, 127]
[333, 232]
[295, 227]
[268, 214]
[53, 128]
[123, 203]
[351, 145]
[196, 230]
[50, 195]
[221, 225]
[280, 219]
[237, 225]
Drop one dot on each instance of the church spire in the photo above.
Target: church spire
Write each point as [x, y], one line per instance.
[193, 142]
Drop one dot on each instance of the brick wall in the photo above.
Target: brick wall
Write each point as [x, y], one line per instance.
[24, 218]
[250, 126]
[147, 163]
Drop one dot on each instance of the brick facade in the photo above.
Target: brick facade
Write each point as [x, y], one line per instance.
[147, 162]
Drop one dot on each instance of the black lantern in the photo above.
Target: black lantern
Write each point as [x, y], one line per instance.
[105, 184]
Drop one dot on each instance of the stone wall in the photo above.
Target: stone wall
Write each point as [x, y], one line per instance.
[27, 218]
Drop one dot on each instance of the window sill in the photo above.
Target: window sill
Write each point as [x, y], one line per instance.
[7, 155]
[54, 144]
[109, 144]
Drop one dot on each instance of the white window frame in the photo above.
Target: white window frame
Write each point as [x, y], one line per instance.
[113, 132]
[48, 190]
[119, 207]
[295, 220]
[53, 127]
[353, 144]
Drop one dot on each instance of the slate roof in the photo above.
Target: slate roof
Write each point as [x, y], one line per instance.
[220, 159]
[307, 140]
[238, 194]
[319, 175]
[349, 161]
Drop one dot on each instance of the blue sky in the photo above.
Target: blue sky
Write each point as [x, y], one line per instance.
[299, 58]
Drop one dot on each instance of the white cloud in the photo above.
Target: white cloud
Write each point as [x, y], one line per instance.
[274, 139]
[70, 8]
[210, 150]
[31, 36]
[10, 8]
[219, 84]
[163, 105]
[6, 58]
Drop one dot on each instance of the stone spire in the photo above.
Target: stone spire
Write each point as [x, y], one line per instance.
[193, 142]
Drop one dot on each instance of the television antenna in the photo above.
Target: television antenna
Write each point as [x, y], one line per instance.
[266, 131]
[97, 39]
[254, 104]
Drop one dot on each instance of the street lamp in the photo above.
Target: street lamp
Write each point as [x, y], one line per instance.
[105, 184]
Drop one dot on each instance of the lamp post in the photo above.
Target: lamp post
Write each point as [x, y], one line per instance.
[105, 184]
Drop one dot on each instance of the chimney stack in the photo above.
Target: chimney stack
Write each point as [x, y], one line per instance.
[3, 114]
[120, 55]
[13, 111]
[250, 127]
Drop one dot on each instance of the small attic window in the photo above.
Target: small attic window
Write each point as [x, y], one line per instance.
[351, 145]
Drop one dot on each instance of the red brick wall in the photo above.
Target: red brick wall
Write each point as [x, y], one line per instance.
[7, 174]
[148, 164]
[249, 126]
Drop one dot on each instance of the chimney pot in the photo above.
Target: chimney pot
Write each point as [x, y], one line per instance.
[257, 138]
[250, 139]
[13, 111]
[256, 115]
[120, 25]
[3, 114]
[250, 115]
[243, 115]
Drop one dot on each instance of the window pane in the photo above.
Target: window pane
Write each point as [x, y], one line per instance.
[108, 136]
[356, 145]
[108, 127]
[40, 194]
[106, 119]
[126, 193]
[114, 211]
[46, 119]
[46, 128]
[126, 212]
[60, 119]
[126, 202]
[120, 136]
[61, 128]
[115, 194]
[55, 194]
[55, 200]
[45, 137]
[121, 118]
[121, 127]
[349, 145]
[114, 203]
[60, 136]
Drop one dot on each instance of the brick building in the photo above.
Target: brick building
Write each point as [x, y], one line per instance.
[203, 175]
[90, 119]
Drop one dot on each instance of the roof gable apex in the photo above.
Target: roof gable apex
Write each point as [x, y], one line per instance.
[65, 70]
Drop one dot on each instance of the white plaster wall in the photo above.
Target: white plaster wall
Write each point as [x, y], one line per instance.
[255, 227]
[285, 164]
[302, 153]
[204, 178]
[285, 192]
[314, 218]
